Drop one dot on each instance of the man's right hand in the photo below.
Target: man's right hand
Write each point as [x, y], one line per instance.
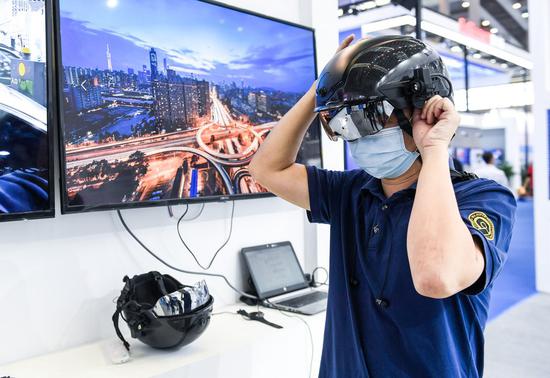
[345, 43]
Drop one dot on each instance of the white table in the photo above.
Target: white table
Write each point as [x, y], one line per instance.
[230, 347]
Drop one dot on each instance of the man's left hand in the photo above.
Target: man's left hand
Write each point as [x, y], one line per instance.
[435, 125]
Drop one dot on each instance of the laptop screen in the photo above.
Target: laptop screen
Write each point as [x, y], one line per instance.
[274, 269]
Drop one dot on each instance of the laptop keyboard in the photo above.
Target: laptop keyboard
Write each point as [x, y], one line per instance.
[304, 300]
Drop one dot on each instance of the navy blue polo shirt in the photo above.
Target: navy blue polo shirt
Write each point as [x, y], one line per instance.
[377, 325]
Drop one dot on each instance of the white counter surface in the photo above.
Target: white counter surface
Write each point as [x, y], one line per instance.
[230, 347]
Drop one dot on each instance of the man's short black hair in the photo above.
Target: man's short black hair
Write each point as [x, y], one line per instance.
[487, 157]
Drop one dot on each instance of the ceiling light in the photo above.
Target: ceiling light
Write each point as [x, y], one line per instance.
[465, 4]
[516, 5]
[504, 65]
[381, 3]
[456, 49]
[366, 5]
[494, 61]
[525, 14]
[4, 153]
[494, 30]
[350, 10]
[477, 55]
[485, 23]
[340, 12]
[520, 58]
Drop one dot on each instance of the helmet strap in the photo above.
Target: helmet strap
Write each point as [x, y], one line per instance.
[160, 282]
[124, 296]
[403, 121]
[115, 318]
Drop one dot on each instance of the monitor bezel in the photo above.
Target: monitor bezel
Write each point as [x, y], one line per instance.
[69, 209]
[51, 119]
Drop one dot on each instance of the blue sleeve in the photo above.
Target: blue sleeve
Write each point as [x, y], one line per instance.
[324, 193]
[488, 210]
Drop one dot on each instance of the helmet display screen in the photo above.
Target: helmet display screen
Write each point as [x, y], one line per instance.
[182, 301]
[356, 121]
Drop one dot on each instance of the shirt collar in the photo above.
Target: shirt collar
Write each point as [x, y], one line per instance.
[374, 187]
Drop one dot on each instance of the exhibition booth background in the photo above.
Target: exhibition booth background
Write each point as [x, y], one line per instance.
[59, 277]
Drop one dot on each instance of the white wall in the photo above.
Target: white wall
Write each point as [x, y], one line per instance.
[539, 34]
[58, 277]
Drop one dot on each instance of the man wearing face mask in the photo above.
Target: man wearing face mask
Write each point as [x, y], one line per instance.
[415, 246]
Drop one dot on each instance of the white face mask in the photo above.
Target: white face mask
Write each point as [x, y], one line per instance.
[383, 155]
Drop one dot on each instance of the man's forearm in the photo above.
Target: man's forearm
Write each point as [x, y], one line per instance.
[281, 147]
[441, 251]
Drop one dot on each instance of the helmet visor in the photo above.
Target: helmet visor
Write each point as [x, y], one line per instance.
[356, 121]
[182, 301]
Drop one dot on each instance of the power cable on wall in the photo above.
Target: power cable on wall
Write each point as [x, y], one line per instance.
[181, 218]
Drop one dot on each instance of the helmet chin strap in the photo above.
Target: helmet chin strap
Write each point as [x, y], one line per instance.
[403, 121]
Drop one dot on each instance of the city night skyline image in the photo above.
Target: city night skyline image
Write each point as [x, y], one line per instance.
[170, 100]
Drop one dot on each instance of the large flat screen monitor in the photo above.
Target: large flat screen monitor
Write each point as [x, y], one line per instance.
[25, 138]
[167, 101]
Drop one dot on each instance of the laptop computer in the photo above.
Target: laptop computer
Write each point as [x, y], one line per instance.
[279, 280]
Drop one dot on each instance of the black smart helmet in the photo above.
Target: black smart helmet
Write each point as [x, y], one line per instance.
[376, 77]
[147, 305]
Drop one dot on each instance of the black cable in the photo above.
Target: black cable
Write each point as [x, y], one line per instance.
[219, 249]
[194, 217]
[186, 210]
[314, 282]
[178, 269]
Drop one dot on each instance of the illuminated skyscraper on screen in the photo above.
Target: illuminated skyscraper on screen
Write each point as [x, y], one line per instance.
[154, 64]
[109, 62]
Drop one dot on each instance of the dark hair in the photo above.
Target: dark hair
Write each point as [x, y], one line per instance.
[487, 157]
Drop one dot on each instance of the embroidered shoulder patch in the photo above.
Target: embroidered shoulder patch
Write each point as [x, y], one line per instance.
[481, 222]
